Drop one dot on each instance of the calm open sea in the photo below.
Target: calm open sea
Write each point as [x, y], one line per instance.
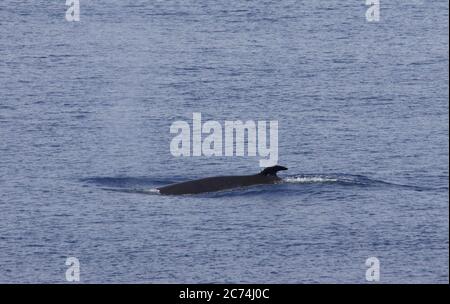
[86, 107]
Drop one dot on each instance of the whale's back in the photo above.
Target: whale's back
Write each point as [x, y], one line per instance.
[217, 183]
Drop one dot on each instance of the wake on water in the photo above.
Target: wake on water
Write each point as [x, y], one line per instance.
[309, 179]
[146, 185]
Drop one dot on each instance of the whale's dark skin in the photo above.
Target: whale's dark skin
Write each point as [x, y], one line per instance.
[218, 183]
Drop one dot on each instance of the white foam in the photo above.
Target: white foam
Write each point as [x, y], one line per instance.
[310, 179]
[153, 190]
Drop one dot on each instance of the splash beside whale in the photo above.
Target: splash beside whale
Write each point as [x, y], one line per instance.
[218, 183]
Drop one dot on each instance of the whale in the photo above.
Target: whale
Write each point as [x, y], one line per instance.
[219, 183]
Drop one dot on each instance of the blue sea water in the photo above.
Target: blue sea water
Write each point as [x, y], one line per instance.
[86, 107]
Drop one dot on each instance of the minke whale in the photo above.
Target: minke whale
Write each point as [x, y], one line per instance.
[218, 183]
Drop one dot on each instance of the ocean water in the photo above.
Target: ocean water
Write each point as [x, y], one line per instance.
[85, 112]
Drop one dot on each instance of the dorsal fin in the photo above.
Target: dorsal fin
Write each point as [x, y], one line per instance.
[272, 170]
